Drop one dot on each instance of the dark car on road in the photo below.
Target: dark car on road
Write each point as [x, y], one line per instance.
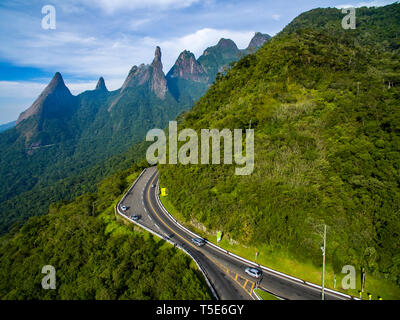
[199, 242]
[135, 217]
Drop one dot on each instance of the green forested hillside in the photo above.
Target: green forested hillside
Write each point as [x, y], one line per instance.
[376, 26]
[94, 256]
[15, 210]
[327, 150]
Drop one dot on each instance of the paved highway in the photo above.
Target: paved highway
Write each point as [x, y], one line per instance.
[225, 272]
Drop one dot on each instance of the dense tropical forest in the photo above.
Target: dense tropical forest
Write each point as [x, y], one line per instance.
[95, 256]
[325, 106]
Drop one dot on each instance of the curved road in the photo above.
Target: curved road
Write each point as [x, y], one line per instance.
[225, 272]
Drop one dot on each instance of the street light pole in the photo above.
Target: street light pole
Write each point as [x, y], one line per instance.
[323, 263]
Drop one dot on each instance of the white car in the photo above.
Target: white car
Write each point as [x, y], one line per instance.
[253, 272]
[124, 208]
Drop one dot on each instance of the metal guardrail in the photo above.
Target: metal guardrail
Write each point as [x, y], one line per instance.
[199, 265]
[257, 296]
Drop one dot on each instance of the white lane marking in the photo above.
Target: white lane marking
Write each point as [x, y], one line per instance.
[157, 226]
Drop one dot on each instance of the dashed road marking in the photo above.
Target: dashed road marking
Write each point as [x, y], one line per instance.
[190, 244]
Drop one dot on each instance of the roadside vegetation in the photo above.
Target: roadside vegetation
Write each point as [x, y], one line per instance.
[265, 295]
[324, 104]
[94, 255]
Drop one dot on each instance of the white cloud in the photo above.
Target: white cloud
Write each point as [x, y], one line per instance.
[136, 24]
[276, 17]
[23, 89]
[86, 56]
[110, 7]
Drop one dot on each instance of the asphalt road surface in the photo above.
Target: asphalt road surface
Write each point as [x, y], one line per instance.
[226, 273]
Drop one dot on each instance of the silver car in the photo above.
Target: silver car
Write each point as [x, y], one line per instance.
[199, 242]
[253, 272]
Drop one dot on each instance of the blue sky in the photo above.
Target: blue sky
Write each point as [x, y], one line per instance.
[106, 38]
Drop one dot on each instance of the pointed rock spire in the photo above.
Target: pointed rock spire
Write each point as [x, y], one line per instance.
[157, 59]
[55, 90]
[56, 83]
[157, 54]
[101, 85]
[158, 82]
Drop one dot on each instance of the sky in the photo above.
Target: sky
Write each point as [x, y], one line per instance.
[94, 38]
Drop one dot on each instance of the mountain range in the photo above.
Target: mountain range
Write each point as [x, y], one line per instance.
[61, 135]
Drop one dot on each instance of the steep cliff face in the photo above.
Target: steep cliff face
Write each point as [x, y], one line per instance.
[148, 77]
[189, 78]
[186, 67]
[158, 81]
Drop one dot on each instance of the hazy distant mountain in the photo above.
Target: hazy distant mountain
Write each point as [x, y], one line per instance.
[6, 126]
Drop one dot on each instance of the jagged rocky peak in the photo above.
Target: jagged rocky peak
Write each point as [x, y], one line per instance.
[55, 91]
[136, 77]
[187, 67]
[101, 85]
[150, 75]
[158, 82]
[258, 40]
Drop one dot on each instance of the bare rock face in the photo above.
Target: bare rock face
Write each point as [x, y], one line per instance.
[186, 67]
[145, 73]
[158, 82]
[101, 86]
[136, 77]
